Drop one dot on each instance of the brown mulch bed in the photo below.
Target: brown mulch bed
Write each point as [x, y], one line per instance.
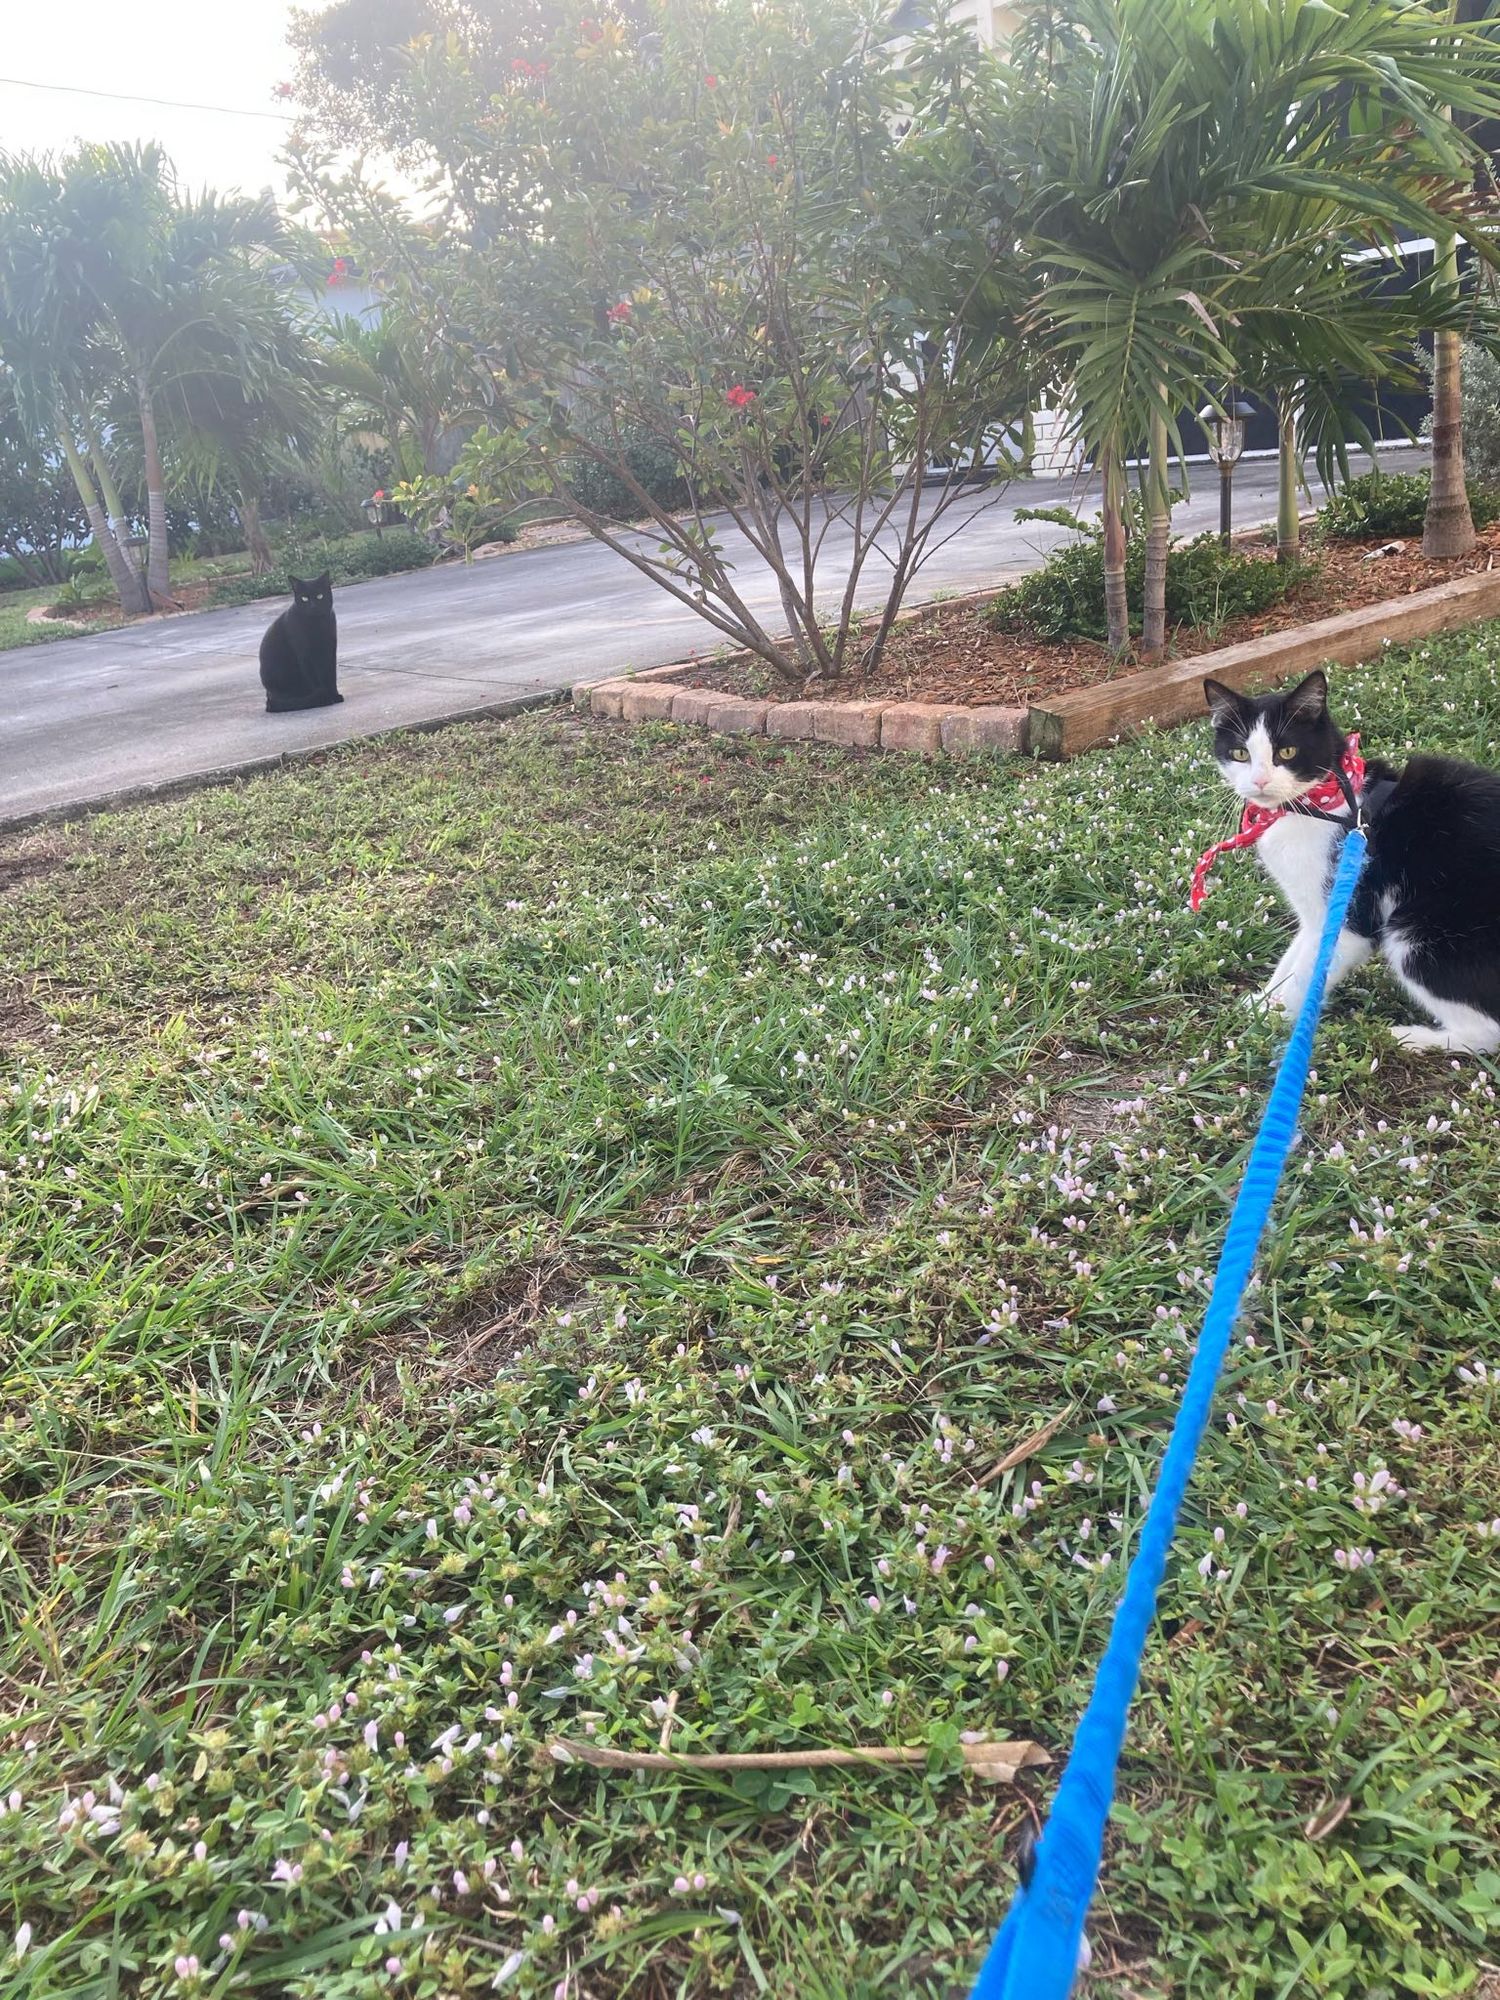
[106, 616]
[950, 654]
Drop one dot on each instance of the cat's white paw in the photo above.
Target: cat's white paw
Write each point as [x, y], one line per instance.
[1455, 1042]
[1419, 1040]
[1268, 1000]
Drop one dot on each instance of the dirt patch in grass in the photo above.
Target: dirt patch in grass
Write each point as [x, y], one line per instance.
[952, 654]
[33, 859]
[493, 1329]
[76, 621]
[22, 1022]
[469, 1349]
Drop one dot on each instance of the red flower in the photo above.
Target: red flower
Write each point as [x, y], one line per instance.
[590, 29]
[341, 265]
[618, 313]
[541, 69]
[739, 397]
[381, 494]
[771, 159]
[520, 67]
[710, 83]
[282, 90]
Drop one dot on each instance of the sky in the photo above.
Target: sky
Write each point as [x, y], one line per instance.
[225, 54]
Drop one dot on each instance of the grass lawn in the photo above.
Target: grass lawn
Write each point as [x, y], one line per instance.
[14, 630]
[543, 1230]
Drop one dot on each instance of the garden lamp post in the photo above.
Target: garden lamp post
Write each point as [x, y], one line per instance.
[1225, 426]
[376, 513]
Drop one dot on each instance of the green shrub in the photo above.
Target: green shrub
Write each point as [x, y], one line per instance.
[357, 556]
[234, 590]
[1064, 599]
[651, 462]
[86, 564]
[349, 559]
[1379, 504]
[81, 592]
[1206, 586]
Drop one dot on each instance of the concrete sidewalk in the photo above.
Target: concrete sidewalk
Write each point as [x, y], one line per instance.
[85, 722]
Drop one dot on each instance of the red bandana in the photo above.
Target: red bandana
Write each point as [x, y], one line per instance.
[1256, 820]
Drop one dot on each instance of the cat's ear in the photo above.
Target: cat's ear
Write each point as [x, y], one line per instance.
[323, 582]
[1308, 700]
[1225, 707]
[296, 583]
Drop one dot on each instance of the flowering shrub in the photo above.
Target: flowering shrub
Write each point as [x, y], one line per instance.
[674, 327]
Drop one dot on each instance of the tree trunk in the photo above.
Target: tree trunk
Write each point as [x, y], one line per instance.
[1288, 519]
[261, 557]
[158, 574]
[110, 494]
[1448, 529]
[1158, 542]
[1116, 608]
[129, 588]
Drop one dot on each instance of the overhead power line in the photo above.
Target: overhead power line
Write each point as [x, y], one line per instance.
[129, 97]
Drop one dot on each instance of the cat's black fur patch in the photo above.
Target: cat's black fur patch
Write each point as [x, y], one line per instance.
[1429, 897]
[299, 653]
[1433, 875]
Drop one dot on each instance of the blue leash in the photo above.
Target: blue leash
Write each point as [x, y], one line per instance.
[1035, 1955]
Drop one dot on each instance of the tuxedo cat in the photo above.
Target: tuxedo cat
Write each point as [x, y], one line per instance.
[299, 654]
[1429, 898]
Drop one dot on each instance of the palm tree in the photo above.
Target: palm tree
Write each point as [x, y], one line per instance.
[107, 277]
[153, 255]
[1317, 337]
[1155, 137]
[50, 340]
[1448, 529]
[1448, 525]
[396, 392]
[40, 515]
[244, 401]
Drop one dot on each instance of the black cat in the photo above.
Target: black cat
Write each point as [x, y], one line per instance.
[1429, 899]
[299, 654]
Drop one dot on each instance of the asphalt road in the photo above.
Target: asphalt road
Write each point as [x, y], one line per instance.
[87, 720]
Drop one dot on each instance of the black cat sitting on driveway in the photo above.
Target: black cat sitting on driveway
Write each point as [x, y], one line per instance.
[299, 654]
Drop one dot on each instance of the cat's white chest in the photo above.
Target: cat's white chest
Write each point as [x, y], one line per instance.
[1297, 854]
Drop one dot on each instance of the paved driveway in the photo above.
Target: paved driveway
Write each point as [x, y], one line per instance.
[83, 720]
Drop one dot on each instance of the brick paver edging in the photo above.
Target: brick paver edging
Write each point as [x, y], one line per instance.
[928, 728]
[1058, 726]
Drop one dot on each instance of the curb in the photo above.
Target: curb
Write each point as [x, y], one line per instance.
[229, 774]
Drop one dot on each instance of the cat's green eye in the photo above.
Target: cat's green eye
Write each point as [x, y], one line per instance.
[1286, 754]
[1241, 755]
